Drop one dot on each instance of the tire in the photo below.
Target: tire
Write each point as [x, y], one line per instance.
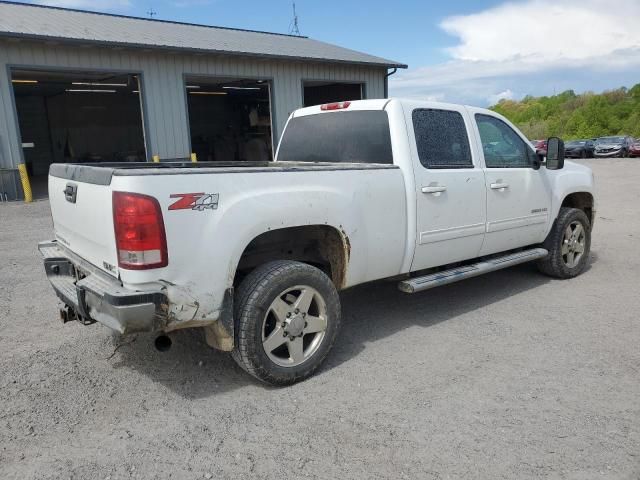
[559, 263]
[583, 154]
[265, 308]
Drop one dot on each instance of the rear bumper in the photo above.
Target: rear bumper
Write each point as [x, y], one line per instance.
[93, 296]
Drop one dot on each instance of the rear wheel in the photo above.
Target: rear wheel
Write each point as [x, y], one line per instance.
[287, 317]
[568, 243]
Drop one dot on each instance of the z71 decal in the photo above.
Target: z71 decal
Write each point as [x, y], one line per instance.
[195, 201]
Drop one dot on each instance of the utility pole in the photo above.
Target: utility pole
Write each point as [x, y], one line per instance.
[152, 13]
[293, 26]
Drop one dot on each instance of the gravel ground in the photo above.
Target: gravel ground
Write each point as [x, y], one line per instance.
[511, 375]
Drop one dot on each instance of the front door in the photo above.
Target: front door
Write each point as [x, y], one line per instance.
[518, 196]
[450, 188]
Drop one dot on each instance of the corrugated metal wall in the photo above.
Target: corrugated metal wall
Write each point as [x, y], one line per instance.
[163, 73]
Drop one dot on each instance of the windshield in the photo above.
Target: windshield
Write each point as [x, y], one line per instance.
[360, 136]
[611, 140]
[576, 143]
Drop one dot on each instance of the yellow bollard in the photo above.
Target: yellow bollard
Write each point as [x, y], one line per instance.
[194, 158]
[156, 159]
[26, 185]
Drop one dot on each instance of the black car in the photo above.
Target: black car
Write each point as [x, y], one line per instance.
[579, 149]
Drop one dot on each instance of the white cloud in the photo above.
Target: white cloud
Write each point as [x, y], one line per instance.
[517, 41]
[545, 30]
[88, 4]
[504, 95]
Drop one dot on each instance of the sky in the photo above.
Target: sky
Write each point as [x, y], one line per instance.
[464, 51]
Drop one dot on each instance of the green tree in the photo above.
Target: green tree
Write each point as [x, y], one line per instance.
[571, 116]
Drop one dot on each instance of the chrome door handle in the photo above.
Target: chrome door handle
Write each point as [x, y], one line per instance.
[434, 189]
[499, 186]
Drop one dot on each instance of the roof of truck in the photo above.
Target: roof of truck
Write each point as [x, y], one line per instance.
[381, 104]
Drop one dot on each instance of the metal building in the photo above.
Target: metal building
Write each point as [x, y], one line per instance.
[80, 86]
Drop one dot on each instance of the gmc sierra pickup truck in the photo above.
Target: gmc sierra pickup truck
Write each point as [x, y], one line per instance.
[255, 253]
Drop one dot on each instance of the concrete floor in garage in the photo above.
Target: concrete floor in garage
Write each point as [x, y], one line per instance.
[510, 375]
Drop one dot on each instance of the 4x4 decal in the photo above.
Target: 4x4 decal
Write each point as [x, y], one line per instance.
[195, 201]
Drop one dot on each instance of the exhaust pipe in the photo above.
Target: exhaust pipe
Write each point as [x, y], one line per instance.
[163, 343]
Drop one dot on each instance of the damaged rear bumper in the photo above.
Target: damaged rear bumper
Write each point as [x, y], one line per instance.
[90, 296]
[93, 296]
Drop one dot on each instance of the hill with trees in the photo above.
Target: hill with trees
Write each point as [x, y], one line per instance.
[570, 116]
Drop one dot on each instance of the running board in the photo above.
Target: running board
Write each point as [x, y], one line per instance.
[426, 282]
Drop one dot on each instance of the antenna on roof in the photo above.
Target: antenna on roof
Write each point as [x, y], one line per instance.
[152, 13]
[293, 26]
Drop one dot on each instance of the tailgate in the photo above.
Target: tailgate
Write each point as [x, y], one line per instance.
[83, 218]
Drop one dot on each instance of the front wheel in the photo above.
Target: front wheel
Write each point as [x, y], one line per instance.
[287, 318]
[568, 243]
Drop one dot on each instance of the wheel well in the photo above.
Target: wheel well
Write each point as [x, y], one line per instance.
[582, 201]
[319, 245]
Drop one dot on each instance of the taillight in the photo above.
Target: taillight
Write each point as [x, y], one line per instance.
[140, 235]
[335, 106]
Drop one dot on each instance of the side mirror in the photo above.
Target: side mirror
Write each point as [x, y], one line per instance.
[555, 153]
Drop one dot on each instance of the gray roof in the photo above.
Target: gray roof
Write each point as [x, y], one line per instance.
[50, 23]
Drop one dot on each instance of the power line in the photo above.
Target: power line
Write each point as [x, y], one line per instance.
[293, 26]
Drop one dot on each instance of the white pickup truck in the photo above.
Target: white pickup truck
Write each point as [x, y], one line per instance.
[255, 253]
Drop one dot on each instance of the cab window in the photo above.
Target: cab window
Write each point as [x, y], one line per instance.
[441, 139]
[502, 147]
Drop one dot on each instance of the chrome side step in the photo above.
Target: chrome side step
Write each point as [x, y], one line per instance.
[426, 282]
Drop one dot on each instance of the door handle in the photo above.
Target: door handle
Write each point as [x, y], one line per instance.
[499, 186]
[434, 189]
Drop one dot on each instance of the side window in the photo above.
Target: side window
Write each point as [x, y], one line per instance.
[441, 139]
[503, 148]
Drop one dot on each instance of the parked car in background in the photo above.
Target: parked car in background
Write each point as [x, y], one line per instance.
[579, 149]
[540, 146]
[634, 151]
[618, 146]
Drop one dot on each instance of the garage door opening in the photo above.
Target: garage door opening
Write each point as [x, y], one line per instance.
[230, 119]
[317, 93]
[77, 117]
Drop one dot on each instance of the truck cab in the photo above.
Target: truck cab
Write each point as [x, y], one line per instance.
[474, 184]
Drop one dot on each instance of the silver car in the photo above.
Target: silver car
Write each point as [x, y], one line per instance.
[618, 146]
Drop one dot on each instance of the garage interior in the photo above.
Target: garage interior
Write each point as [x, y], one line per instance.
[229, 118]
[77, 117]
[317, 93]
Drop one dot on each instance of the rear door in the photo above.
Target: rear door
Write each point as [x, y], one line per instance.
[450, 187]
[518, 196]
[82, 217]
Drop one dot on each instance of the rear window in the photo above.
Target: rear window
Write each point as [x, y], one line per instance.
[345, 137]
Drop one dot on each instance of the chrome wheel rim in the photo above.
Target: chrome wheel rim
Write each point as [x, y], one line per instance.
[573, 244]
[294, 326]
